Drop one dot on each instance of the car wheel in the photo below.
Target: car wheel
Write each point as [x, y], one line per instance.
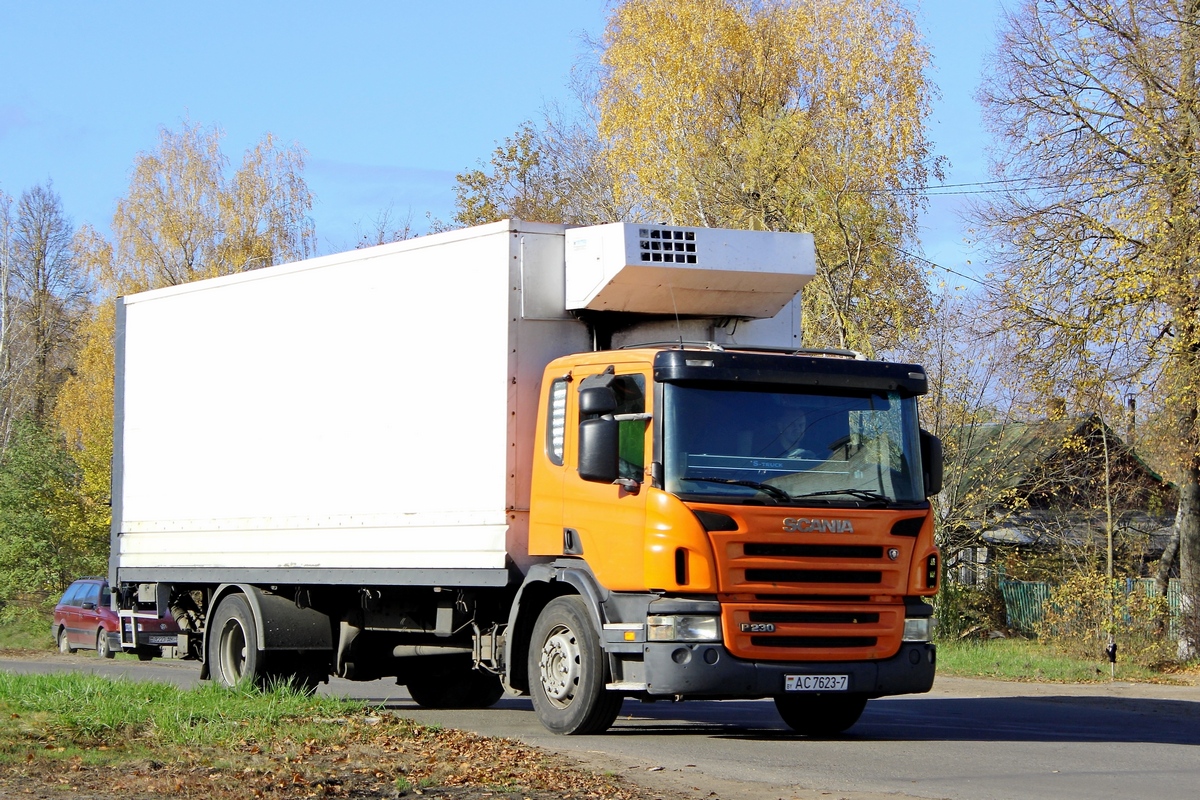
[566, 671]
[102, 648]
[64, 645]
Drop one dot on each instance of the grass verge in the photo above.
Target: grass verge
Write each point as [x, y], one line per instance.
[1026, 660]
[26, 630]
[72, 735]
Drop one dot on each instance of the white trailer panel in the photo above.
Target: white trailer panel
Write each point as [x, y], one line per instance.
[357, 412]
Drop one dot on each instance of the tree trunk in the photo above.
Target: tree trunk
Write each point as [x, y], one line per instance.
[1170, 557]
[1188, 524]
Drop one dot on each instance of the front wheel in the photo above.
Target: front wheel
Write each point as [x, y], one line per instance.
[821, 714]
[102, 648]
[233, 655]
[566, 671]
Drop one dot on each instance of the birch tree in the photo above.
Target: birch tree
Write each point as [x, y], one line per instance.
[785, 116]
[49, 293]
[1095, 106]
[186, 216]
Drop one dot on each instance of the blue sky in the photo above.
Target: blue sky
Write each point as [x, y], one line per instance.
[390, 99]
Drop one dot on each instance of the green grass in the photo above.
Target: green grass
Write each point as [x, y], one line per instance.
[86, 712]
[27, 631]
[1026, 660]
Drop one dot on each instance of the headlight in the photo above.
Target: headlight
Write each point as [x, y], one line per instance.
[683, 629]
[918, 629]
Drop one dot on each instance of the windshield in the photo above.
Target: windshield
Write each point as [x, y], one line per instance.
[797, 447]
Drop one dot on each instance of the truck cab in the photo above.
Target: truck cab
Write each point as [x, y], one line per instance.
[743, 522]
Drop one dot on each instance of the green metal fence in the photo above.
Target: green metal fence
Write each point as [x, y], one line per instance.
[1025, 601]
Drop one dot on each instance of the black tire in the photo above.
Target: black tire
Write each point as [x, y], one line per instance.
[232, 642]
[456, 685]
[145, 655]
[102, 648]
[566, 671]
[820, 714]
[64, 644]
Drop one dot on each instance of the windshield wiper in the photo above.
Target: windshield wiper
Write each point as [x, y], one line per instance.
[859, 494]
[765, 488]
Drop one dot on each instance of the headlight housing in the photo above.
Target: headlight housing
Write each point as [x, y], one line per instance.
[918, 629]
[681, 628]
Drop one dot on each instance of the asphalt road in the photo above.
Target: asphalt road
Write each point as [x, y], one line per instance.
[967, 739]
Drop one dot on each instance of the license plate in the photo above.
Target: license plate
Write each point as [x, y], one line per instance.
[161, 638]
[816, 683]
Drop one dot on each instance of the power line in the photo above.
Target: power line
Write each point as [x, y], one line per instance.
[981, 187]
[935, 265]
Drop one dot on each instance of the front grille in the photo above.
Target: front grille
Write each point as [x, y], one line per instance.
[814, 598]
[812, 642]
[812, 631]
[812, 576]
[815, 617]
[815, 550]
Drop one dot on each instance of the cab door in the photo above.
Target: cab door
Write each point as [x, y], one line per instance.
[606, 522]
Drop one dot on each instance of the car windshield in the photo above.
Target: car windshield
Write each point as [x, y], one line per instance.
[799, 447]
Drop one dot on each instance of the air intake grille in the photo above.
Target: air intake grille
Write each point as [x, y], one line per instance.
[810, 642]
[815, 550]
[811, 576]
[816, 617]
[667, 246]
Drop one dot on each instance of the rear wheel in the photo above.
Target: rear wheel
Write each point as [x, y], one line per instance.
[457, 685]
[566, 671]
[64, 644]
[233, 655]
[102, 648]
[821, 714]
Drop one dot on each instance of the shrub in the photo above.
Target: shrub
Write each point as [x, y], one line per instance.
[1078, 621]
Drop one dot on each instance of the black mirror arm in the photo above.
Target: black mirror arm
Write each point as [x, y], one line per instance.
[628, 484]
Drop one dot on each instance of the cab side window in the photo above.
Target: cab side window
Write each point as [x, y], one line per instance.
[631, 399]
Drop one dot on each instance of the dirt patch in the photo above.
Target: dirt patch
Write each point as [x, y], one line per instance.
[380, 756]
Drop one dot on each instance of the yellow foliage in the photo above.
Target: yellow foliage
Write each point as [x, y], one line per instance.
[184, 219]
[85, 407]
[1078, 620]
[782, 116]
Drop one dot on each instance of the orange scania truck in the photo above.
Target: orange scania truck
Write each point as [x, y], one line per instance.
[580, 463]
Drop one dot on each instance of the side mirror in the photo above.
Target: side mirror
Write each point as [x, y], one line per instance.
[932, 463]
[89, 606]
[597, 400]
[598, 449]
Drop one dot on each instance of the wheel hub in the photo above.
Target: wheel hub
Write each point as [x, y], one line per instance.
[560, 666]
[233, 651]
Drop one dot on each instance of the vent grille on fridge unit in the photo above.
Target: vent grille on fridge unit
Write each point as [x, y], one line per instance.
[667, 246]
